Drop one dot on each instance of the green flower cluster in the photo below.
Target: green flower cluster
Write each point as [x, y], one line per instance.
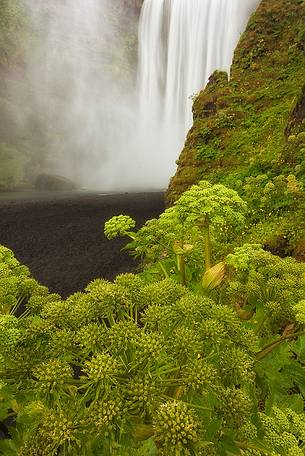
[185, 344]
[119, 225]
[141, 395]
[204, 215]
[200, 375]
[123, 336]
[153, 368]
[234, 407]
[284, 431]
[150, 345]
[10, 332]
[164, 292]
[102, 368]
[236, 366]
[176, 427]
[52, 375]
[103, 417]
[16, 285]
[219, 204]
[91, 337]
[57, 428]
[61, 343]
[267, 286]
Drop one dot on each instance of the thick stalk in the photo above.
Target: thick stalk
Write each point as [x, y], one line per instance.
[207, 243]
[181, 265]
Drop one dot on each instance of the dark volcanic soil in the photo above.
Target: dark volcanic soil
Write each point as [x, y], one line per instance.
[60, 236]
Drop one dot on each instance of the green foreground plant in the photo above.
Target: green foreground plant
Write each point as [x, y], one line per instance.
[141, 368]
[186, 239]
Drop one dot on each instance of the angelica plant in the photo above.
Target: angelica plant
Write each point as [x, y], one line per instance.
[265, 288]
[116, 363]
[140, 368]
[16, 285]
[211, 207]
[180, 241]
[176, 427]
[120, 225]
[283, 431]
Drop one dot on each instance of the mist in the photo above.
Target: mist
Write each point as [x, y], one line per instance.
[90, 112]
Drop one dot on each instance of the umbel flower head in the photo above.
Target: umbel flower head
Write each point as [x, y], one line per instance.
[123, 335]
[104, 415]
[141, 394]
[220, 205]
[52, 374]
[10, 334]
[118, 225]
[200, 374]
[102, 367]
[57, 428]
[176, 427]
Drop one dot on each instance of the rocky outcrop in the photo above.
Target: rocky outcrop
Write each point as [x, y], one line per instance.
[297, 116]
[52, 182]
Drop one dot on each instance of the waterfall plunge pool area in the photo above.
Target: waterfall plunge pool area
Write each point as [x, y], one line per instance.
[59, 236]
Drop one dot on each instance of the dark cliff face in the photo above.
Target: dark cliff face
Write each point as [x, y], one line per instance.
[244, 121]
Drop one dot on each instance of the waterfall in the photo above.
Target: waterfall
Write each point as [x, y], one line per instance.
[78, 108]
[181, 43]
[70, 94]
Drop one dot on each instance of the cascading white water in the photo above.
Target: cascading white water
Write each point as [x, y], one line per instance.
[181, 42]
[96, 129]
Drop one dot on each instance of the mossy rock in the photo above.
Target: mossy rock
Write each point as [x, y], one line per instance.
[52, 182]
[251, 116]
[254, 123]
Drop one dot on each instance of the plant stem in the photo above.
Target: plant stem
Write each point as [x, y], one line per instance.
[182, 269]
[270, 347]
[163, 270]
[181, 265]
[207, 243]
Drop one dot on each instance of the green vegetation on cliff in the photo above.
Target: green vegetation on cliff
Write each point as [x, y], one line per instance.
[249, 132]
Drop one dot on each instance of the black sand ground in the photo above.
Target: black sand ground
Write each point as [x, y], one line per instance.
[60, 236]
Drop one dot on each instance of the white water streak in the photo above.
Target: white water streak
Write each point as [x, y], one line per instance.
[181, 43]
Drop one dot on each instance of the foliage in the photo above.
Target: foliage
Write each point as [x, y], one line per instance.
[180, 241]
[119, 225]
[265, 288]
[16, 286]
[112, 363]
[151, 368]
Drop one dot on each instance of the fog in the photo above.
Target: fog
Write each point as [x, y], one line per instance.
[96, 118]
